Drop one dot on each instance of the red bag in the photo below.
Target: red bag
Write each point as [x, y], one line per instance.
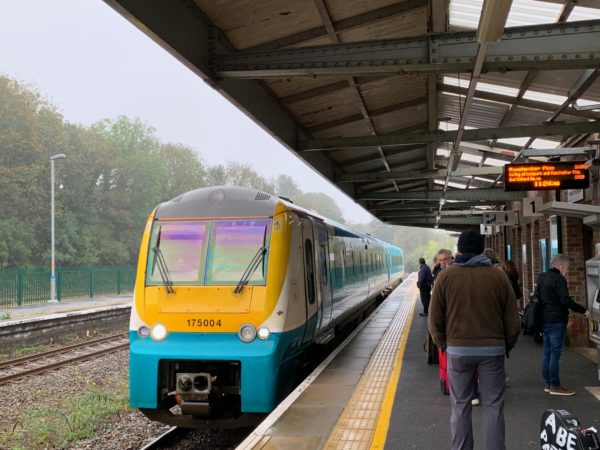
[444, 383]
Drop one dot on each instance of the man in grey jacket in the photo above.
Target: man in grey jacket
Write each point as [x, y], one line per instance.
[473, 316]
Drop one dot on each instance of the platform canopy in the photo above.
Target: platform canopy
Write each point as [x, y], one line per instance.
[401, 104]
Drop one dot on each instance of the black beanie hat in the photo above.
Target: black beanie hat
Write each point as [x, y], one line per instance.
[471, 241]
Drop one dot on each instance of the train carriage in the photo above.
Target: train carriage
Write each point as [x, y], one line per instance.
[233, 286]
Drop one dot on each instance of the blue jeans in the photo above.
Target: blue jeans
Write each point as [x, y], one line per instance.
[554, 338]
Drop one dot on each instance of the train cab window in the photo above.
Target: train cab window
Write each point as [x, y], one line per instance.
[310, 271]
[180, 246]
[236, 246]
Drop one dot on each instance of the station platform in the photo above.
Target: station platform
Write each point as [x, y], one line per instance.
[379, 392]
[46, 310]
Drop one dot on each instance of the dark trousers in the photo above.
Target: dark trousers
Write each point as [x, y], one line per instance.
[425, 297]
[461, 373]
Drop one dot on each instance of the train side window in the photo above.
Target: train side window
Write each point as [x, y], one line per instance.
[323, 266]
[310, 271]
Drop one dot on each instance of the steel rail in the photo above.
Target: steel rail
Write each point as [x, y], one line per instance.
[37, 370]
[36, 356]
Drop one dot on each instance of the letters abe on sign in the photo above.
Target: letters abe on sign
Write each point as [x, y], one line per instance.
[501, 218]
[561, 430]
[546, 176]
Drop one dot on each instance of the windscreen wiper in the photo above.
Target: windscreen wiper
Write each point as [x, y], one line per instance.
[254, 262]
[163, 270]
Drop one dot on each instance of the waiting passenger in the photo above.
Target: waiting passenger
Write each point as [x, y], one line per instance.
[424, 282]
[473, 315]
[491, 254]
[556, 302]
[444, 258]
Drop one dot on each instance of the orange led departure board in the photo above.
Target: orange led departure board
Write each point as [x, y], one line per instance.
[546, 176]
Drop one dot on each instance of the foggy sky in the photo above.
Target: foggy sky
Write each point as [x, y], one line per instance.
[92, 64]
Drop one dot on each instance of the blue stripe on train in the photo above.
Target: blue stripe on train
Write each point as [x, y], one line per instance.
[260, 363]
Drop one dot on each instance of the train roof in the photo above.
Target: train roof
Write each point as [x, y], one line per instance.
[231, 201]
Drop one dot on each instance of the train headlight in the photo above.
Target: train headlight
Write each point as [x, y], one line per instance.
[247, 333]
[158, 332]
[143, 331]
[263, 333]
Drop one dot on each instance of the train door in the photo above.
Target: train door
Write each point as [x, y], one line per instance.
[325, 282]
[311, 279]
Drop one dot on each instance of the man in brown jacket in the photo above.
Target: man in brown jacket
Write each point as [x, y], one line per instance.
[473, 317]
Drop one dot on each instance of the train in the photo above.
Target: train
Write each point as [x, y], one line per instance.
[234, 286]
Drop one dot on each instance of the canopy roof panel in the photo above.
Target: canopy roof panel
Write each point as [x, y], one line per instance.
[397, 97]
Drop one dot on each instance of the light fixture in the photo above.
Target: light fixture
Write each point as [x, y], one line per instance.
[492, 20]
[247, 333]
[263, 333]
[158, 332]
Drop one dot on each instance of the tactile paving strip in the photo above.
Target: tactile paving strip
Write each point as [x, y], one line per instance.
[356, 427]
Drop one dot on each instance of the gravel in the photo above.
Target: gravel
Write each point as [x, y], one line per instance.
[126, 430]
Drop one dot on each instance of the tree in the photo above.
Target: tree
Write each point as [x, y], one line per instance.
[286, 186]
[321, 203]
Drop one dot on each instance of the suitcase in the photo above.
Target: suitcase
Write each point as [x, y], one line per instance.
[431, 350]
[444, 383]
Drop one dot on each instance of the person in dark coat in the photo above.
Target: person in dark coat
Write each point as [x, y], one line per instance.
[473, 316]
[554, 296]
[513, 276]
[424, 282]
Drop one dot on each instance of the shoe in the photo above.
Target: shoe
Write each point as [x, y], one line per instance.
[560, 391]
[546, 389]
[475, 402]
[423, 314]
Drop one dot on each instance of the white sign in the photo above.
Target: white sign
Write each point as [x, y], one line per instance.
[485, 229]
[531, 206]
[574, 195]
[501, 218]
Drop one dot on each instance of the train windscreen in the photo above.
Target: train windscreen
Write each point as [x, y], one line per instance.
[208, 252]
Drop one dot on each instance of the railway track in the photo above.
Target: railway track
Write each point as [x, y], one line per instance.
[17, 368]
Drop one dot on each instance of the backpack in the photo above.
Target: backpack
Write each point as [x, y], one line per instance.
[562, 430]
[531, 322]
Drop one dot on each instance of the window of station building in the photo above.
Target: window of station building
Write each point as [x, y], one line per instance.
[555, 235]
[544, 255]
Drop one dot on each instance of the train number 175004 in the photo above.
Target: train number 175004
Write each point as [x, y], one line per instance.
[204, 323]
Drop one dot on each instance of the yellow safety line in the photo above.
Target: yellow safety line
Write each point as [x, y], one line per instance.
[383, 422]
[356, 427]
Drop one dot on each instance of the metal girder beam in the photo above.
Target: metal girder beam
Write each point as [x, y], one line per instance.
[420, 205]
[572, 45]
[425, 137]
[431, 221]
[560, 151]
[518, 101]
[182, 29]
[419, 174]
[342, 25]
[458, 194]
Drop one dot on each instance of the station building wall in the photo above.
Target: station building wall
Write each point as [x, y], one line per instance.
[576, 240]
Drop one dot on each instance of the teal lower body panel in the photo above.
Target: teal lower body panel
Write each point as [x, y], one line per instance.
[259, 360]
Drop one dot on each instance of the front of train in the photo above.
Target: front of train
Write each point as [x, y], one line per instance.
[205, 338]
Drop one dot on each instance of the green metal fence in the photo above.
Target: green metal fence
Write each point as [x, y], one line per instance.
[19, 287]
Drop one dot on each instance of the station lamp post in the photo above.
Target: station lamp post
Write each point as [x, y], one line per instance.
[52, 263]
